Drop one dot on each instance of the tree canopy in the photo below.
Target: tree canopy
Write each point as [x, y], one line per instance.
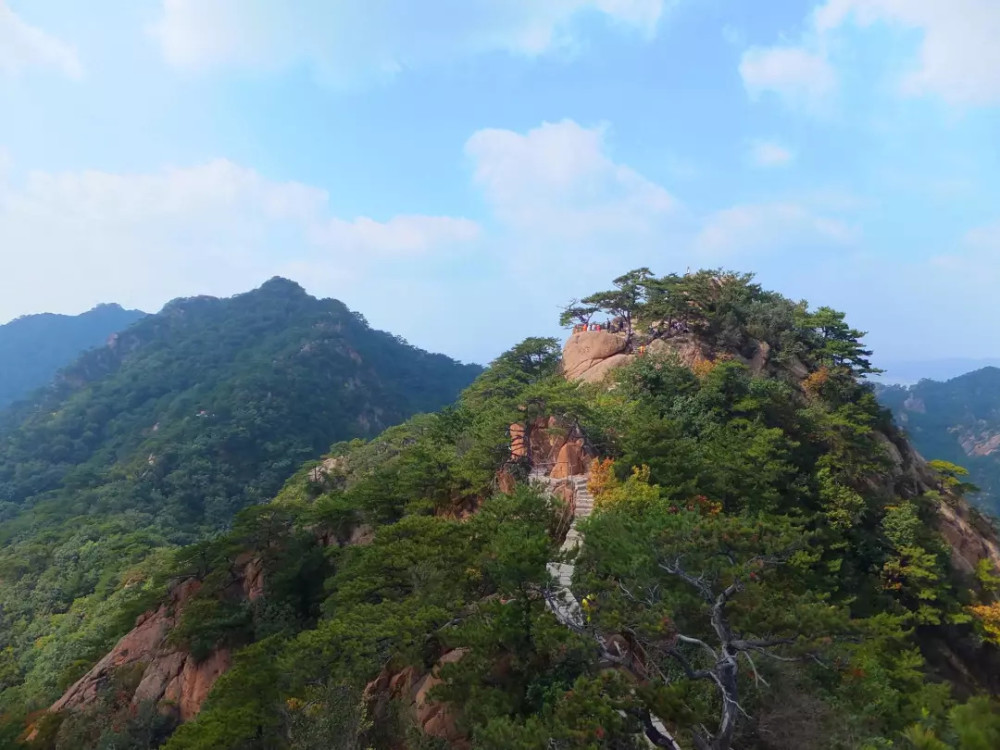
[760, 571]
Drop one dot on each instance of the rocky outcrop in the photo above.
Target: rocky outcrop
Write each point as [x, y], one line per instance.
[411, 688]
[171, 677]
[176, 681]
[969, 543]
[572, 459]
[590, 355]
[689, 350]
[549, 444]
[982, 443]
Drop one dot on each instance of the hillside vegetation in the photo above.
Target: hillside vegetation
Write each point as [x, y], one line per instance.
[956, 421]
[159, 438]
[34, 347]
[762, 569]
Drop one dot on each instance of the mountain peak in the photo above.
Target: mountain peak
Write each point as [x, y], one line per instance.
[281, 285]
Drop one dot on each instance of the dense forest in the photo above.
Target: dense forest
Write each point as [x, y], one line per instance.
[34, 347]
[763, 568]
[158, 439]
[958, 421]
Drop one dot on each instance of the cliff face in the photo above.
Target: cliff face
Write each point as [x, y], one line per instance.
[171, 678]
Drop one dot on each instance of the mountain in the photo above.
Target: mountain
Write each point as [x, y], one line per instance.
[34, 347]
[159, 437]
[957, 421]
[699, 527]
[902, 372]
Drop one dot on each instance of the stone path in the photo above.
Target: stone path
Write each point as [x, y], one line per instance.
[563, 601]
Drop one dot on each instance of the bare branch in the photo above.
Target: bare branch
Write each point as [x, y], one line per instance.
[758, 680]
[759, 645]
[697, 642]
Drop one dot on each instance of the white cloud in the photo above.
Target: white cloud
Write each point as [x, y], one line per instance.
[986, 238]
[400, 235]
[558, 180]
[793, 73]
[352, 39]
[564, 217]
[23, 46]
[215, 228]
[770, 154]
[957, 57]
[753, 228]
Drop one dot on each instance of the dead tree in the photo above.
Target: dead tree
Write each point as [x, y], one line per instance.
[724, 657]
[721, 659]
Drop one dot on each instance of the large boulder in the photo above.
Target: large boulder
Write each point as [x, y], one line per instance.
[590, 355]
[571, 460]
[688, 350]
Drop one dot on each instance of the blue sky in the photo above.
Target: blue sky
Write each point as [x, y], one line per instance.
[458, 169]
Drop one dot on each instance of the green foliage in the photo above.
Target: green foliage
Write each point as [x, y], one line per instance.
[840, 342]
[953, 423]
[625, 301]
[758, 573]
[974, 725]
[159, 439]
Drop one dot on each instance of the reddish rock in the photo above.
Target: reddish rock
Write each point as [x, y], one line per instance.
[171, 676]
[506, 482]
[518, 446]
[572, 459]
[190, 687]
[590, 355]
[546, 437]
[413, 688]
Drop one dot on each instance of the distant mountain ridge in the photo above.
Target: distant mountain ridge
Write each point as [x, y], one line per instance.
[34, 347]
[957, 420]
[161, 435]
[910, 372]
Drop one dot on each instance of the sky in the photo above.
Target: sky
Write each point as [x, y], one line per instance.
[457, 170]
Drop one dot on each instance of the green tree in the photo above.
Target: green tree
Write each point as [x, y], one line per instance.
[840, 344]
[626, 300]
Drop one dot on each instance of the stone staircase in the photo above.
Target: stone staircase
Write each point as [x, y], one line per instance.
[563, 602]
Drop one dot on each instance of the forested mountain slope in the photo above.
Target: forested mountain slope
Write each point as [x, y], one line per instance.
[34, 347]
[160, 437]
[768, 565]
[956, 421]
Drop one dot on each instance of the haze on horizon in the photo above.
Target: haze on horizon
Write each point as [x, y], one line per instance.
[457, 171]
